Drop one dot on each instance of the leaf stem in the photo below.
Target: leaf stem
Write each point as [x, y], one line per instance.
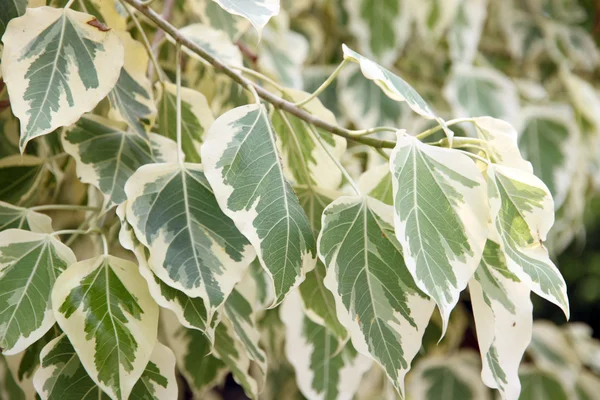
[71, 232]
[335, 160]
[258, 75]
[370, 131]
[324, 85]
[64, 207]
[69, 4]
[269, 97]
[178, 83]
[437, 128]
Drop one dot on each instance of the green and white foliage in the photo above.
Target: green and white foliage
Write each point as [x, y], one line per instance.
[381, 31]
[131, 98]
[196, 117]
[325, 367]
[215, 42]
[376, 298]
[464, 33]
[258, 12]
[242, 165]
[107, 156]
[521, 209]
[213, 15]
[503, 316]
[193, 246]
[394, 86]
[481, 91]
[377, 183]
[455, 377]
[29, 265]
[546, 134]
[303, 153]
[13, 217]
[62, 375]
[106, 311]
[57, 65]
[440, 217]
[433, 18]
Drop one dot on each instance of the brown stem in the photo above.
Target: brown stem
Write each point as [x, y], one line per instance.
[269, 97]
[158, 37]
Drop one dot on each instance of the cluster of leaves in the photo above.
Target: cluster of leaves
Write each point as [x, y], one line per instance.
[220, 233]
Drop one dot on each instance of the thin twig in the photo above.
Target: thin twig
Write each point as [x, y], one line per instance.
[158, 37]
[269, 97]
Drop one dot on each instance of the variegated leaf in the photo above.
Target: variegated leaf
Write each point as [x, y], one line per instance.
[193, 246]
[107, 156]
[12, 217]
[62, 376]
[376, 298]
[190, 311]
[464, 33]
[325, 367]
[545, 136]
[196, 117]
[57, 65]
[20, 177]
[588, 386]
[215, 42]
[258, 12]
[9, 388]
[381, 31]
[503, 316]
[522, 213]
[195, 356]
[243, 168]
[111, 13]
[452, 378]
[583, 96]
[441, 217]
[104, 307]
[480, 91]
[283, 55]
[29, 265]
[537, 384]
[364, 103]
[433, 18]
[500, 143]
[377, 183]
[304, 158]
[213, 15]
[10, 9]
[131, 99]
[394, 87]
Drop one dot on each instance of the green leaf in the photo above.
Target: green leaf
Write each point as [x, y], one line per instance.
[452, 378]
[9, 389]
[243, 168]
[131, 99]
[441, 217]
[394, 87]
[325, 367]
[479, 92]
[305, 160]
[196, 117]
[377, 300]
[193, 246]
[503, 316]
[538, 384]
[29, 265]
[381, 31]
[62, 376]
[547, 133]
[104, 307]
[365, 104]
[215, 42]
[12, 217]
[57, 65]
[213, 15]
[20, 177]
[283, 54]
[10, 9]
[107, 156]
[258, 12]
[522, 212]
